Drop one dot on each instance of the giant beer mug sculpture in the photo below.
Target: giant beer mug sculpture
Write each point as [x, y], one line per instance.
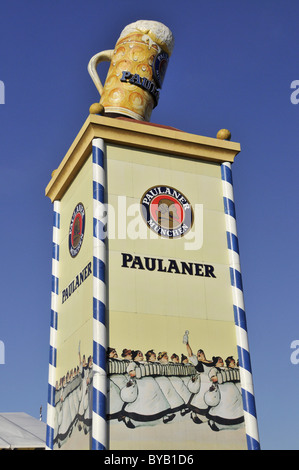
[136, 73]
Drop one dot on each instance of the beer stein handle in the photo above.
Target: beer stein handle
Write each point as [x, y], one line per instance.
[104, 56]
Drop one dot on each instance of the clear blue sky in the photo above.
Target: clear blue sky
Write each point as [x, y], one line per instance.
[232, 67]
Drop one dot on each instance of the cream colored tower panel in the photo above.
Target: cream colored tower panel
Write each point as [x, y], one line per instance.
[169, 298]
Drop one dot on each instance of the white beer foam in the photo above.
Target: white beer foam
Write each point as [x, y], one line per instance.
[156, 31]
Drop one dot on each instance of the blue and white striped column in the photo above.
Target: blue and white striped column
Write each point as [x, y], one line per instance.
[53, 328]
[99, 423]
[239, 310]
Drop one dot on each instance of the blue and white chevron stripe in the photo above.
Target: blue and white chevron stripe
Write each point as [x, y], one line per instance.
[53, 327]
[239, 310]
[99, 423]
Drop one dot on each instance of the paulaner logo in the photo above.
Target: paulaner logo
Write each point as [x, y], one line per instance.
[76, 230]
[167, 211]
[141, 82]
[80, 278]
[159, 67]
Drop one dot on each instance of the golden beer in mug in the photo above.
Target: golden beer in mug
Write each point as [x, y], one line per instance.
[137, 69]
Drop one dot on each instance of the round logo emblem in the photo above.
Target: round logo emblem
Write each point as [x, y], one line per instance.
[76, 231]
[167, 211]
[159, 67]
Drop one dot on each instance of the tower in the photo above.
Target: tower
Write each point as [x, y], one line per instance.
[148, 343]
